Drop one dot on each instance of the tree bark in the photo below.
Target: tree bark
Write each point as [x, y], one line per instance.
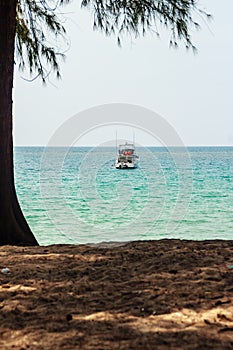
[13, 226]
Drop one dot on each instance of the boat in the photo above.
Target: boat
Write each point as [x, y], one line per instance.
[126, 157]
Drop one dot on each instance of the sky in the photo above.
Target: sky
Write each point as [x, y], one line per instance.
[193, 93]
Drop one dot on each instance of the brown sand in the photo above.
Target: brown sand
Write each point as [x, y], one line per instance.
[166, 294]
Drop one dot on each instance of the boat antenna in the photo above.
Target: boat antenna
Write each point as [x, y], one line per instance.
[133, 137]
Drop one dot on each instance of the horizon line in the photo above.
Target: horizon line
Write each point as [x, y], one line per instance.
[140, 146]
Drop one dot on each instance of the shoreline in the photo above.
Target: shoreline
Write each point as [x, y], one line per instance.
[109, 244]
[161, 294]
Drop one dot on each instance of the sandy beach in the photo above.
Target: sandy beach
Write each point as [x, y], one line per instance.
[139, 295]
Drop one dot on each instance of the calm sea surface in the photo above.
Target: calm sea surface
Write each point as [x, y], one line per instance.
[77, 196]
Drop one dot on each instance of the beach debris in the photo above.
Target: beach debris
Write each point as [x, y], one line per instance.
[223, 301]
[207, 322]
[69, 317]
[225, 329]
[224, 317]
[5, 270]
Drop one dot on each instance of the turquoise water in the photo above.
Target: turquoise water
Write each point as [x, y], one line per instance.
[76, 195]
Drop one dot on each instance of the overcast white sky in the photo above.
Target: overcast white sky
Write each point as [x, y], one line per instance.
[194, 93]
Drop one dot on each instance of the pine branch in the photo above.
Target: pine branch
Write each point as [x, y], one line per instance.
[40, 32]
[138, 17]
[37, 25]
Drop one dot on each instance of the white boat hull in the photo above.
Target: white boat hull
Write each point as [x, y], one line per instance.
[126, 157]
[125, 165]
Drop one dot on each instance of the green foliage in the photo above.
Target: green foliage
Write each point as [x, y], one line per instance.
[137, 17]
[39, 36]
[39, 29]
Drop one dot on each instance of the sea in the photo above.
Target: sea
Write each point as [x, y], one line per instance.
[75, 195]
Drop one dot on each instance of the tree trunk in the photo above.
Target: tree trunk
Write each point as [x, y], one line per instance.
[13, 226]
